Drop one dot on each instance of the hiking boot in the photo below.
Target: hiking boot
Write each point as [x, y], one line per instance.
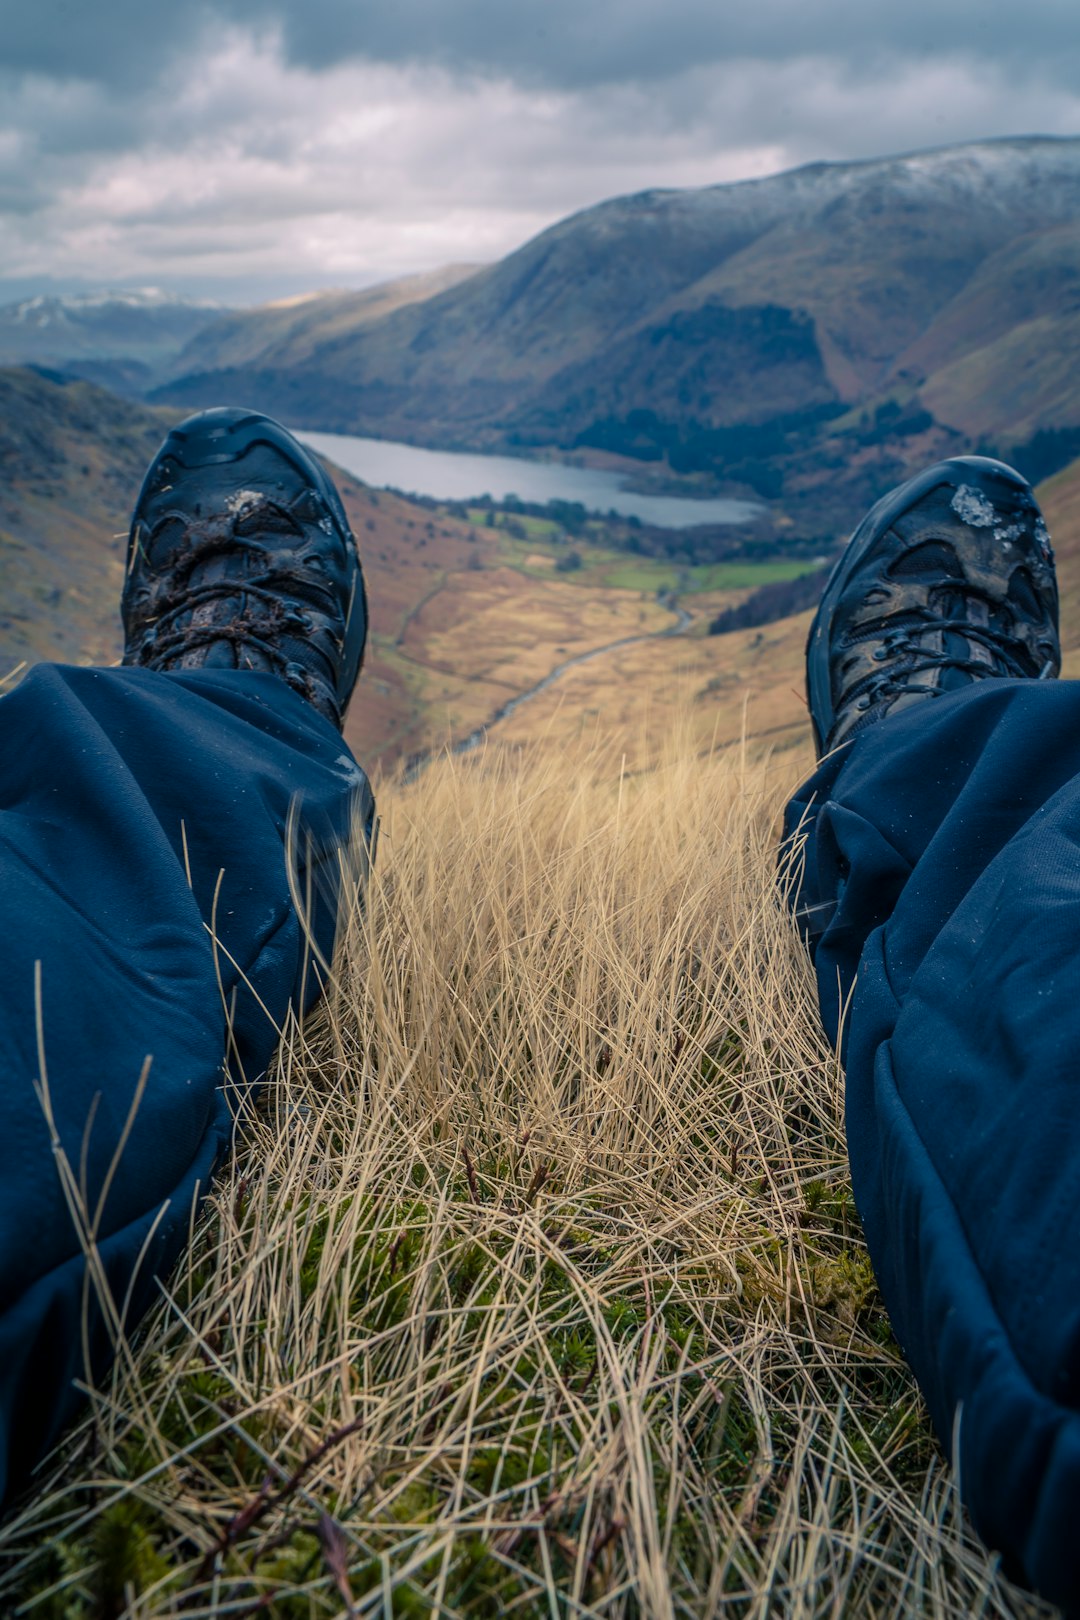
[241, 557]
[948, 580]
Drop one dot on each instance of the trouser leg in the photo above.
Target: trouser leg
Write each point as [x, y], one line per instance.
[138, 811]
[942, 867]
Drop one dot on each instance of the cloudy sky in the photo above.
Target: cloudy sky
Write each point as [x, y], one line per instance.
[248, 149]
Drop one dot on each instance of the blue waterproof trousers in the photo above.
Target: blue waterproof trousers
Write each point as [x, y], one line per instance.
[942, 867]
[137, 811]
[943, 870]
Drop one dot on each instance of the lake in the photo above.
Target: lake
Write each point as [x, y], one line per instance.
[450, 475]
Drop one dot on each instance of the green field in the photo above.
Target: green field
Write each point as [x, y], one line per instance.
[605, 567]
[641, 574]
[535, 527]
[521, 539]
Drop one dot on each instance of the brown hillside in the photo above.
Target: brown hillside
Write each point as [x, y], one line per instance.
[72, 457]
[461, 622]
[751, 680]
[1060, 498]
[455, 633]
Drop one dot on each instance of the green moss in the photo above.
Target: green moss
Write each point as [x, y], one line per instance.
[813, 1195]
[97, 1575]
[291, 1564]
[847, 1284]
[528, 1435]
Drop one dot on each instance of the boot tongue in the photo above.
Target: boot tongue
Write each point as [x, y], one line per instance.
[219, 655]
[221, 610]
[951, 679]
[228, 653]
[954, 644]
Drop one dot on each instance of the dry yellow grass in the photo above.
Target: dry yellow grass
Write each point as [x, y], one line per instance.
[537, 1287]
[710, 689]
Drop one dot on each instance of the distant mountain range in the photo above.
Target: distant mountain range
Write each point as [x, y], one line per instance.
[809, 336]
[287, 335]
[125, 340]
[132, 341]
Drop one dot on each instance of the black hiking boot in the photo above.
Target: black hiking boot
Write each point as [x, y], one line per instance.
[241, 557]
[948, 580]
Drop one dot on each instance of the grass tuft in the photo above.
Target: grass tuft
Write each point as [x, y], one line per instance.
[537, 1287]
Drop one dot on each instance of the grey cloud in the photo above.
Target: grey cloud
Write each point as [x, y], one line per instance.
[576, 43]
[61, 116]
[341, 143]
[115, 42]
[556, 43]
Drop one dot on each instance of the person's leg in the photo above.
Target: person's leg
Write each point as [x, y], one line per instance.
[941, 899]
[156, 824]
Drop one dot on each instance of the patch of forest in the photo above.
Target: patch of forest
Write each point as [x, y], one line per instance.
[777, 600]
[759, 539]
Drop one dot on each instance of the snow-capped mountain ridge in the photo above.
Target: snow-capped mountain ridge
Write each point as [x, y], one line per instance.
[924, 304]
[121, 337]
[1036, 174]
[48, 308]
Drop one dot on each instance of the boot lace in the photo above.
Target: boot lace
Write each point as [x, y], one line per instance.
[264, 618]
[1010, 656]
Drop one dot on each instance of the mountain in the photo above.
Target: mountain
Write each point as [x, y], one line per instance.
[132, 341]
[121, 339]
[288, 332]
[831, 324]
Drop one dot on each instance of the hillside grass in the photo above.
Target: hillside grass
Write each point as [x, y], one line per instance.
[536, 1287]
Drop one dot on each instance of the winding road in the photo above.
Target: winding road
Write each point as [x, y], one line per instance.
[465, 745]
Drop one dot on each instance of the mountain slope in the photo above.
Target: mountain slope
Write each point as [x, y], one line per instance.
[929, 284]
[288, 332]
[72, 457]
